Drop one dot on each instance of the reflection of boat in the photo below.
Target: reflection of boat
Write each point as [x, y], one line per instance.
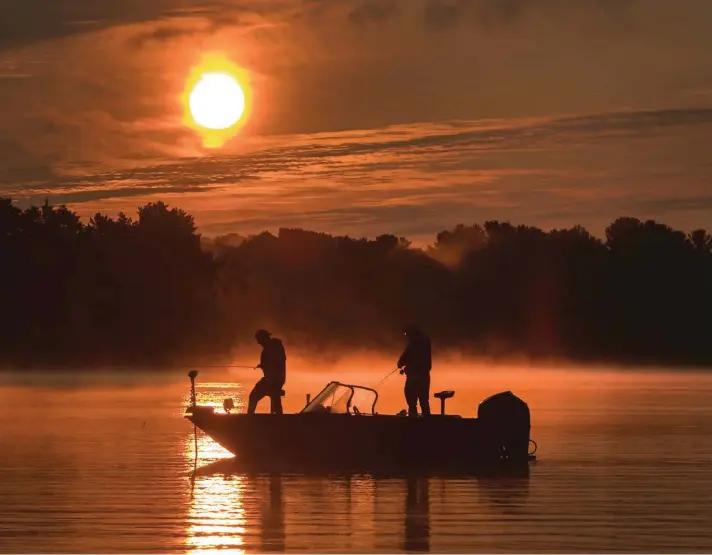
[340, 429]
[272, 533]
[416, 537]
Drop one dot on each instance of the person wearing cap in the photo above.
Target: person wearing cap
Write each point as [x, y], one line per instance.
[416, 363]
[273, 362]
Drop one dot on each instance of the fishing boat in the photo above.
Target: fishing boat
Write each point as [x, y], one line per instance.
[340, 429]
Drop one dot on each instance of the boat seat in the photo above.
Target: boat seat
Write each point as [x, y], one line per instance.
[443, 395]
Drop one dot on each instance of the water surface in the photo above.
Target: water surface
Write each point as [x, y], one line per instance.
[104, 464]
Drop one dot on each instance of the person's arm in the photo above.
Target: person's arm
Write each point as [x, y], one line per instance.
[403, 360]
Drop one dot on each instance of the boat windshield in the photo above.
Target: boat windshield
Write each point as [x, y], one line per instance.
[339, 398]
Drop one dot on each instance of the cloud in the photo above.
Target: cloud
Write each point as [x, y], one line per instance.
[701, 93]
[10, 69]
[408, 146]
[169, 31]
[416, 179]
[206, 24]
[668, 203]
[24, 22]
[373, 11]
[440, 14]
[443, 15]
[510, 135]
[108, 192]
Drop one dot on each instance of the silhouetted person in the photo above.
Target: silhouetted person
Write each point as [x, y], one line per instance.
[416, 363]
[273, 363]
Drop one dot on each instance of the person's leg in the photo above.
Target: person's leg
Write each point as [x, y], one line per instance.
[277, 403]
[276, 399]
[275, 396]
[256, 395]
[424, 394]
[411, 395]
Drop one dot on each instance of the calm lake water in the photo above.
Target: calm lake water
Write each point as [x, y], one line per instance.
[103, 463]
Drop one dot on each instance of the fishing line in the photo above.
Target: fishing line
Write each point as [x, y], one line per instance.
[199, 366]
[386, 377]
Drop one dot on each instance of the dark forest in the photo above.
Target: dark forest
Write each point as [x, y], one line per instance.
[124, 291]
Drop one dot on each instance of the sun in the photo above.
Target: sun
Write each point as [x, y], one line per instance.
[217, 101]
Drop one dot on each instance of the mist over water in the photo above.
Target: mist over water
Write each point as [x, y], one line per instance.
[102, 462]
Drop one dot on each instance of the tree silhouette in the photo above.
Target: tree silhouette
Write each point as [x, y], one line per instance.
[150, 290]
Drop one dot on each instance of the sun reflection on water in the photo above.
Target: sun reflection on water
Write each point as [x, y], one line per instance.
[212, 394]
[216, 517]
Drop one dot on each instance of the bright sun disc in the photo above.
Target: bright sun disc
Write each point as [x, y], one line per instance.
[216, 101]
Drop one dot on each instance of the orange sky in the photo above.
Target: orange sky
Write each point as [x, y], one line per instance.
[403, 116]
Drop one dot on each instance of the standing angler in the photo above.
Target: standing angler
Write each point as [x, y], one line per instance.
[273, 363]
[415, 363]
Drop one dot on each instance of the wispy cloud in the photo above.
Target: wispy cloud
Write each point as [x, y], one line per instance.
[24, 22]
[373, 11]
[442, 15]
[410, 179]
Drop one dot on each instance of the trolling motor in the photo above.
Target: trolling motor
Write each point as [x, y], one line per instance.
[193, 409]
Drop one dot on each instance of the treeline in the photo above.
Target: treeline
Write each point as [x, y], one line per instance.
[112, 291]
[150, 291]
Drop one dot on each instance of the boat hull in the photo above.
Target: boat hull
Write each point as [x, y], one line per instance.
[307, 441]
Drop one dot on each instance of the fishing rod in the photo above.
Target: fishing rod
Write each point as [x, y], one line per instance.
[231, 366]
[386, 377]
[180, 366]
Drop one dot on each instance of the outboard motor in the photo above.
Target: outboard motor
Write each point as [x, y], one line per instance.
[506, 425]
